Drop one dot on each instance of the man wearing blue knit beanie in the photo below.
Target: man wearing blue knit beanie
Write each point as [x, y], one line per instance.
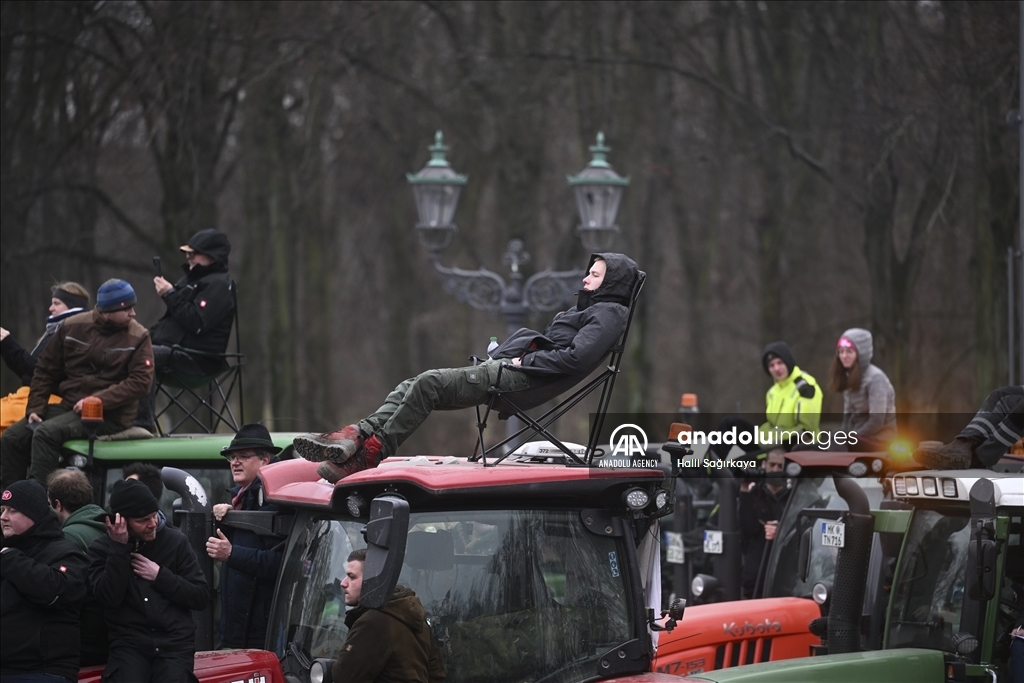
[102, 353]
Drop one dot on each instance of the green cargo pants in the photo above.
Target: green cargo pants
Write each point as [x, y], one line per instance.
[446, 389]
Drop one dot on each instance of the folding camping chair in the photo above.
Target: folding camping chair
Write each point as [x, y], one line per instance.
[204, 400]
[516, 403]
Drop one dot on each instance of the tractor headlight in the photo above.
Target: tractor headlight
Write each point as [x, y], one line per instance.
[636, 498]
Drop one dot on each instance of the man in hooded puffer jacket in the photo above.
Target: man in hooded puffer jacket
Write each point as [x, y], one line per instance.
[42, 587]
[574, 342]
[794, 401]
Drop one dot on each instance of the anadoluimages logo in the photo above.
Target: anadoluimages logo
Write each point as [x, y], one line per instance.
[628, 440]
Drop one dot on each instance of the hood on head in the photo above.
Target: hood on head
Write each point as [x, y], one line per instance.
[782, 350]
[619, 278]
[863, 342]
[213, 243]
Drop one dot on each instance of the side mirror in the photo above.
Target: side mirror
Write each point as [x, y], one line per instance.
[983, 548]
[803, 559]
[385, 549]
[981, 566]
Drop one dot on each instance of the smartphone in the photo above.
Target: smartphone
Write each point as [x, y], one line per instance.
[157, 270]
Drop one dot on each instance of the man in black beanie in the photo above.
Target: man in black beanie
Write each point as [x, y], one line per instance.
[148, 580]
[42, 588]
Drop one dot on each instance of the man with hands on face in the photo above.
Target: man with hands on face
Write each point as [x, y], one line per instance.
[147, 578]
[250, 562]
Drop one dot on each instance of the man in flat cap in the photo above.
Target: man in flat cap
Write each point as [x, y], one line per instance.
[42, 588]
[146, 577]
[200, 310]
[101, 353]
[250, 561]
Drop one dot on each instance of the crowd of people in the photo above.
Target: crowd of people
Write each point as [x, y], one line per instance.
[105, 354]
[85, 585]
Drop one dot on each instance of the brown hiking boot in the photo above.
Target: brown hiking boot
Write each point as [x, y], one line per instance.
[367, 457]
[955, 455]
[337, 447]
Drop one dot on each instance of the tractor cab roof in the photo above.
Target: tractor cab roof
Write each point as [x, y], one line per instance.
[443, 483]
[955, 486]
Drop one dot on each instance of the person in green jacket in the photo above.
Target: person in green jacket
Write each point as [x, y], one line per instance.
[794, 401]
[70, 495]
[388, 645]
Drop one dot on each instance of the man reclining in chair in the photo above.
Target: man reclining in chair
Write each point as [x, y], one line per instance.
[574, 342]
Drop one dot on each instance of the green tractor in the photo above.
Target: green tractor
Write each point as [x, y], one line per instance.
[954, 591]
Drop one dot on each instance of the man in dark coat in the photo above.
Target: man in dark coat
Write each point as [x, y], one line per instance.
[102, 353]
[574, 342]
[761, 505]
[70, 495]
[389, 645]
[250, 561]
[200, 311]
[200, 306]
[42, 587]
[148, 580]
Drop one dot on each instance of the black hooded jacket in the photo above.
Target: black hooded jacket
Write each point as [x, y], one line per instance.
[149, 615]
[41, 594]
[200, 310]
[579, 338]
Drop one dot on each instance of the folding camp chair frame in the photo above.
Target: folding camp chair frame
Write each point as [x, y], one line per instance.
[503, 400]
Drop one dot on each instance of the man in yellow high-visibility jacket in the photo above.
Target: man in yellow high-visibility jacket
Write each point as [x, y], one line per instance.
[794, 401]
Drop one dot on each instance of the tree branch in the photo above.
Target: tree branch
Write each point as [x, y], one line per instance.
[794, 147]
[103, 198]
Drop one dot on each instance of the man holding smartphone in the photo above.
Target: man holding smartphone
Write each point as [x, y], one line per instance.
[200, 311]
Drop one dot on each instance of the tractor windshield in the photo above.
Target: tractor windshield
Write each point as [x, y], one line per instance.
[929, 589]
[781, 575]
[510, 595]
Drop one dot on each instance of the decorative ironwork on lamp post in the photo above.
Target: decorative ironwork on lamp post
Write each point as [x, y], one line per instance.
[437, 188]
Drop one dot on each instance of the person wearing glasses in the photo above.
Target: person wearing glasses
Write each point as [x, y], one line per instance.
[200, 311]
[249, 562]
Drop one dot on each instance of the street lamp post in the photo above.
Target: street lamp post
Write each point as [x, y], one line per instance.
[437, 188]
